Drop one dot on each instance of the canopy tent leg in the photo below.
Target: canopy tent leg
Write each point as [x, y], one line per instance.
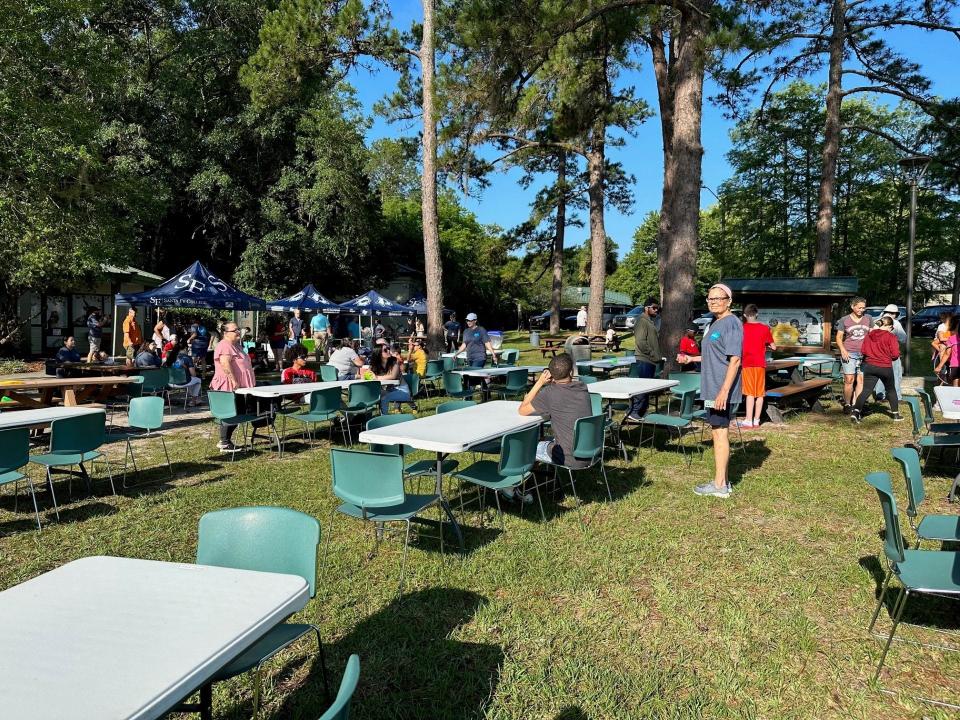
[113, 338]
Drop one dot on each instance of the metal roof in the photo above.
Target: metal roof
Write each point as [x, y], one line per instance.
[795, 286]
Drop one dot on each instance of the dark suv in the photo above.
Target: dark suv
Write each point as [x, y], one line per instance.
[568, 320]
[925, 320]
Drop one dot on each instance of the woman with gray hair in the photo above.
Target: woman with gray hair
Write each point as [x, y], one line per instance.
[719, 357]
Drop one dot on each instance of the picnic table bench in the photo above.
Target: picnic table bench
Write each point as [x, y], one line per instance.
[552, 344]
[780, 400]
[599, 342]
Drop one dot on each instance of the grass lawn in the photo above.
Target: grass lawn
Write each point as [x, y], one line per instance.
[665, 605]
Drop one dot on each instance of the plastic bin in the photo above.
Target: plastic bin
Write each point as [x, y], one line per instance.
[534, 339]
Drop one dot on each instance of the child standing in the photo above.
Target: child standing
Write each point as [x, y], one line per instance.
[688, 346]
[756, 340]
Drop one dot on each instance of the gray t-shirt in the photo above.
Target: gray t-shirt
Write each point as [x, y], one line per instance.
[855, 331]
[723, 340]
[342, 359]
[476, 339]
[565, 403]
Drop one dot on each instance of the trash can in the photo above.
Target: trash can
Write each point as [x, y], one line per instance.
[534, 339]
[496, 339]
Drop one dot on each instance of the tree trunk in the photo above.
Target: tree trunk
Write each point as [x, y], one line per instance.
[955, 297]
[661, 70]
[831, 143]
[558, 239]
[680, 214]
[433, 269]
[596, 158]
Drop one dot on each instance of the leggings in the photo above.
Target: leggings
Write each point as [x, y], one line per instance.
[871, 374]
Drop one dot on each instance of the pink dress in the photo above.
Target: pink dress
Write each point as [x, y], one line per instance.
[240, 364]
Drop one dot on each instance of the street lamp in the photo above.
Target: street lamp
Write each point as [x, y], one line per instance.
[914, 167]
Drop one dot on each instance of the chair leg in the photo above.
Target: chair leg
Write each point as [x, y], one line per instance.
[53, 495]
[326, 545]
[883, 593]
[496, 496]
[603, 470]
[897, 614]
[576, 499]
[323, 665]
[167, 455]
[256, 690]
[403, 561]
[33, 495]
[109, 475]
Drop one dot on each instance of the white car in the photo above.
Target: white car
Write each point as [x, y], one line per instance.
[703, 321]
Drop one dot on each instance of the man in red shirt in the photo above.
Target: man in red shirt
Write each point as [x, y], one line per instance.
[756, 340]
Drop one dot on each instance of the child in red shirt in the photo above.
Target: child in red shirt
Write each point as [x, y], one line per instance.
[688, 346]
[297, 373]
[756, 340]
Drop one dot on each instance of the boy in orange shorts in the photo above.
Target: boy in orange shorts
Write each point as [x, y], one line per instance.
[756, 340]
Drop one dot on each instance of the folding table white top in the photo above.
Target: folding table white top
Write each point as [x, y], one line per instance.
[626, 388]
[41, 416]
[619, 361]
[948, 398]
[455, 431]
[109, 637]
[501, 370]
[274, 391]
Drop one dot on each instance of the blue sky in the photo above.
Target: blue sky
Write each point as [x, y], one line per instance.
[506, 204]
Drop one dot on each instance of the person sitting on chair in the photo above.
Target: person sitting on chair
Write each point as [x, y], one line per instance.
[565, 400]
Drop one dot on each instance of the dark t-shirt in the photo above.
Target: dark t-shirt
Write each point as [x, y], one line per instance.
[147, 359]
[67, 355]
[452, 327]
[94, 328]
[476, 339]
[565, 403]
[201, 343]
[723, 340]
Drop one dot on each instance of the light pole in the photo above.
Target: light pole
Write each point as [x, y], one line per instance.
[914, 167]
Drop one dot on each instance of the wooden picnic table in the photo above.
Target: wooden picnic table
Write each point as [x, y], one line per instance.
[552, 344]
[75, 391]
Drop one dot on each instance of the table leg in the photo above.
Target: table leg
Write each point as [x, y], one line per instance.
[69, 396]
[796, 377]
[206, 702]
[445, 505]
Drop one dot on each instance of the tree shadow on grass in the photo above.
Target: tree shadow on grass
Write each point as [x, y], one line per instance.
[410, 667]
[572, 712]
[926, 610]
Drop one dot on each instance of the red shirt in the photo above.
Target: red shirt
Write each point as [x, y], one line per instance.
[292, 376]
[688, 346]
[756, 337]
[880, 348]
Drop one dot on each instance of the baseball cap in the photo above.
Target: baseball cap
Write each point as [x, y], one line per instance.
[471, 316]
[892, 308]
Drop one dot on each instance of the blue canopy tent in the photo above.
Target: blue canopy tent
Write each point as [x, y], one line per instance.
[195, 287]
[309, 299]
[418, 303]
[373, 303]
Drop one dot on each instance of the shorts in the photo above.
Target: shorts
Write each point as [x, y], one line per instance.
[754, 381]
[852, 366]
[94, 343]
[718, 418]
[131, 351]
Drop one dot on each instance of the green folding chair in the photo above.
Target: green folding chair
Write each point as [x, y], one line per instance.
[672, 423]
[419, 468]
[264, 539]
[371, 488]
[611, 428]
[325, 405]
[413, 385]
[588, 379]
[518, 453]
[945, 528]
[945, 435]
[340, 710]
[155, 382]
[328, 373]
[130, 390]
[433, 375]
[587, 447]
[177, 383]
[14, 455]
[452, 405]
[223, 408]
[362, 399]
[516, 385]
[509, 357]
[145, 414]
[685, 381]
[919, 572]
[453, 386]
[74, 441]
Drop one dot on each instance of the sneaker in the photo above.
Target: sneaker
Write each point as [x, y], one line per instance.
[711, 489]
[881, 397]
[227, 447]
[747, 424]
[855, 417]
[630, 417]
[897, 417]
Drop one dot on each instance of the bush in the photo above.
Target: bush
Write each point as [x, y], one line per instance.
[8, 367]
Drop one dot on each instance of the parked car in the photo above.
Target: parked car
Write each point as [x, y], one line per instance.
[627, 320]
[925, 321]
[701, 322]
[568, 320]
[875, 311]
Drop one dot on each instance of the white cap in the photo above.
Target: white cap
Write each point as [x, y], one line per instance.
[471, 316]
[892, 308]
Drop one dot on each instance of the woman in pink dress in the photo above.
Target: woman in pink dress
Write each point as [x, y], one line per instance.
[233, 370]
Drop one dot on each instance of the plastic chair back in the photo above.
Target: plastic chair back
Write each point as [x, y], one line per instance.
[687, 401]
[452, 382]
[178, 376]
[596, 404]
[516, 381]
[434, 369]
[584, 369]
[383, 421]
[518, 452]
[910, 462]
[223, 404]
[413, 383]
[449, 364]
[685, 381]
[509, 357]
[146, 413]
[363, 394]
[135, 388]
[328, 373]
[14, 449]
[452, 405]
[588, 379]
[588, 437]
[155, 380]
[927, 405]
[265, 539]
[634, 371]
[915, 413]
[327, 400]
[80, 434]
[340, 709]
[367, 479]
[892, 537]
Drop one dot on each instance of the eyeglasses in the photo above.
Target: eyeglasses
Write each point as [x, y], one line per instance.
[233, 330]
[718, 299]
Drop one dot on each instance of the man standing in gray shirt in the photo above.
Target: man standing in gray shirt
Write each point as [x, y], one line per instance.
[647, 353]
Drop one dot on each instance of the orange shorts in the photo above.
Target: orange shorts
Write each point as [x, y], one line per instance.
[754, 381]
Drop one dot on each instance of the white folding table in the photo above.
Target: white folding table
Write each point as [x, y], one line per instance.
[610, 363]
[499, 370]
[39, 417]
[454, 432]
[109, 637]
[627, 388]
[948, 398]
[280, 391]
